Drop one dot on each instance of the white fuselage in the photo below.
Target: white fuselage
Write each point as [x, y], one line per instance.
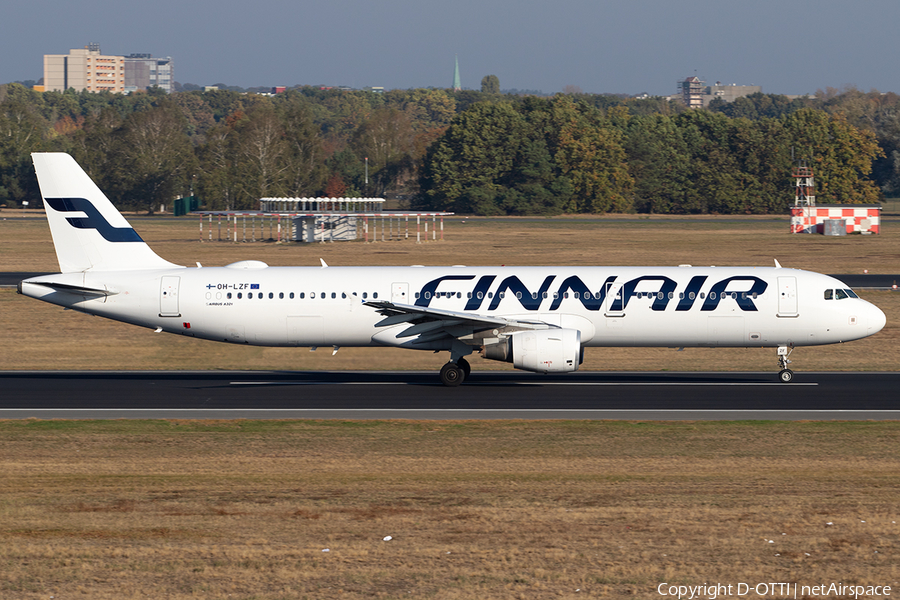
[249, 303]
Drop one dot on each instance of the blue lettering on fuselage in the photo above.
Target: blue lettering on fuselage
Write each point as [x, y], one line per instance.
[744, 298]
[594, 301]
[529, 300]
[430, 288]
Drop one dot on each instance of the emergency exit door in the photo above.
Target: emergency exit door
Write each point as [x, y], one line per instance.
[787, 297]
[400, 293]
[168, 297]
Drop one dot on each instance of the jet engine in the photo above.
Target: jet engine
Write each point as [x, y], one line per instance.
[540, 350]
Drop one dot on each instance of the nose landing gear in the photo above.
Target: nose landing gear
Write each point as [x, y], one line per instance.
[785, 375]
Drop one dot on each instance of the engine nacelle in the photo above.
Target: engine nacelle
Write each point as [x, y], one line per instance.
[540, 350]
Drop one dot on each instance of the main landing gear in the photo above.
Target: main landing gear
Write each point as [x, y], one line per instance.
[785, 375]
[454, 373]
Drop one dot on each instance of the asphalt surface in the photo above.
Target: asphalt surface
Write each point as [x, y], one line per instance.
[863, 281]
[419, 395]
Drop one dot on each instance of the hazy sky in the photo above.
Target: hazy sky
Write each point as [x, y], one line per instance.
[618, 46]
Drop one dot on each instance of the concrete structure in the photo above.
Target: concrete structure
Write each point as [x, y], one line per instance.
[142, 71]
[693, 92]
[856, 218]
[728, 93]
[84, 69]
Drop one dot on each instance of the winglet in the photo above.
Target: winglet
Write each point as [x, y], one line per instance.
[322, 260]
[777, 264]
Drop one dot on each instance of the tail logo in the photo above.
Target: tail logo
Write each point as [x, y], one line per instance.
[92, 219]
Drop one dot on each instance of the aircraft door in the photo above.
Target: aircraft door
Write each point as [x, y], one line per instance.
[168, 296]
[613, 301]
[400, 293]
[787, 297]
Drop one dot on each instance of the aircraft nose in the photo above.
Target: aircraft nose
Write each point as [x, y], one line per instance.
[876, 319]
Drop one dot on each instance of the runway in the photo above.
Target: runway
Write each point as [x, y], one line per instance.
[419, 395]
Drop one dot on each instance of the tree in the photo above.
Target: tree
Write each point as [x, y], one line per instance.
[490, 84]
[22, 131]
[463, 168]
[590, 154]
[156, 157]
[261, 165]
[387, 138]
[841, 155]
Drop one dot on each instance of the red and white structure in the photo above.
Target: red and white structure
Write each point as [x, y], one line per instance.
[807, 217]
[857, 218]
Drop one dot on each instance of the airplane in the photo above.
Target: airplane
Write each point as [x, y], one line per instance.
[539, 319]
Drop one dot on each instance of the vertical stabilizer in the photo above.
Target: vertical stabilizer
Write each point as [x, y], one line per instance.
[89, 234]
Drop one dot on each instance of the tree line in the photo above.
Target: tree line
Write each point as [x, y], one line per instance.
[464, 151]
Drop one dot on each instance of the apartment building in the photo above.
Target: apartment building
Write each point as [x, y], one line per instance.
[142, 71]
[84, 69]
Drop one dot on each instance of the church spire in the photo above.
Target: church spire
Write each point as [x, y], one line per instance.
[456, 85]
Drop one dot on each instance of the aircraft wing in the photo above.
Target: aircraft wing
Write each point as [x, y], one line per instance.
[431, 324]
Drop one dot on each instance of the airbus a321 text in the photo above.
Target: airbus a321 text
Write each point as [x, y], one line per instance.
[537, 318]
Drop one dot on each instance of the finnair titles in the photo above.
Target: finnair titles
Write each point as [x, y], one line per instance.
[537, 318]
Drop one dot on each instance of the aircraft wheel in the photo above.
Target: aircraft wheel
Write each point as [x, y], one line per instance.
[786, 376]
[464, 365]
[452, 375]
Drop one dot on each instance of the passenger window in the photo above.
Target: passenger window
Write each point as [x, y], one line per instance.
[281, 295]
[271, 295]
[840, 294]
[545, 295]
[490, 294]
[468, 295]
[575, 295]
[343, 295]
[702, 295]
[292, 295]
[659, 295]
[375, 295]
[322, 295]
[671, 295]
[479, 295]
[229, 295]
[519, 295]
[829, 294]
[239, 295]
[712, 295]
[851, 293]
[534, 295]
[691, 296]
[366, 295]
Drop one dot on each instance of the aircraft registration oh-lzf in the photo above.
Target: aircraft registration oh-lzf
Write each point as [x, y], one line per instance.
[537, 318]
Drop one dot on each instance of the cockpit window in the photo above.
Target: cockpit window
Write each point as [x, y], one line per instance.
[851, 293]
[829, 294]
[840, 294]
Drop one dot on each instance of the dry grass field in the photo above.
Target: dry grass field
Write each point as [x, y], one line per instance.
[34, 331]
[276, 510]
